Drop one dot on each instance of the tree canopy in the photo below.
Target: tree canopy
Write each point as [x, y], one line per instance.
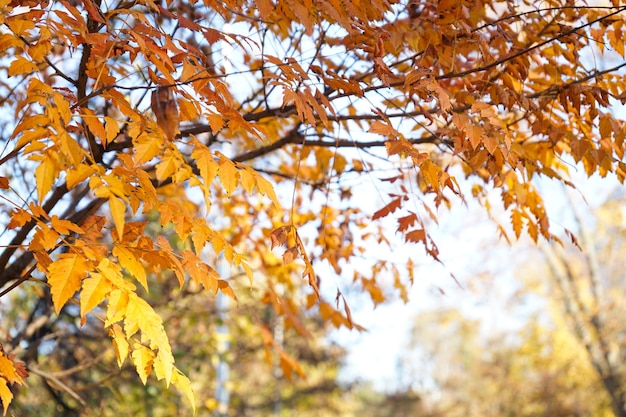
[328, 129]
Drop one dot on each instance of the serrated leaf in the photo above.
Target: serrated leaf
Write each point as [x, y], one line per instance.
[205, 163]
[8, 371]
[120, 343]
[418, 235]
[395, 204]
[139, 314]
[516, 222]
[148, 146]
[65, 276]
[229, 174]
[128, 260]
[21, 66]
[182, 383]
[94, 290]
[142, 358]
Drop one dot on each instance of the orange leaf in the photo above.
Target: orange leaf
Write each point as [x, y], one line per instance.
[8, 371]
[226, 289]
[165, 109]
[65, 276]
[21, 66]
[404, 223]
[388, 209]
[418, 235]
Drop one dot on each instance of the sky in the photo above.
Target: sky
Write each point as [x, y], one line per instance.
[487, 269]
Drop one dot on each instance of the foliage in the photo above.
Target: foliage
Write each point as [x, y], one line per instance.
[586, 280]
[201, 114]
[79, 375]
[541, 370]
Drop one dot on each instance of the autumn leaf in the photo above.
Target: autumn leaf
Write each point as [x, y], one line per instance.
[21, 66]
[95, 288]
[392, 206]
[143, 359]
[229, 175]
[5, 395]
[165, 109]
[65, 276]
[118, 211]
[128, 260]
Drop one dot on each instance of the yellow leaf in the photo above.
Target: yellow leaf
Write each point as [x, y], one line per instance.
[139, 314]
[64, 227]
[45, 173]
[20, 66]
[516, 221]
[216, 122]
[265, 187]
[118, 300]
[8, 371]
[19, 218]
[188, 110]
[247, 179]
[168, 166]
[70, 148]
[78, 174]
[118, 211]
[147, 147]
[142, 358]
[113, 273]
[112, 129]
[181, 382]
[128, 260]
[205, 162]
[65, 276]
[512, 82]
[119, 343]
[95, 126]
[5, 395]
[229, 175]
[94, 290]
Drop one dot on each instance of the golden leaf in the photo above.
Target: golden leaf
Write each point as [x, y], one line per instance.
[8, 370]
[65, 276]
[182, 383]
[46, 173]
[5, 395]
[120, 344]
[229, 175]
[128, 260]
[118, 211]
[142, 358]
[21, 66]
[95, 288]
